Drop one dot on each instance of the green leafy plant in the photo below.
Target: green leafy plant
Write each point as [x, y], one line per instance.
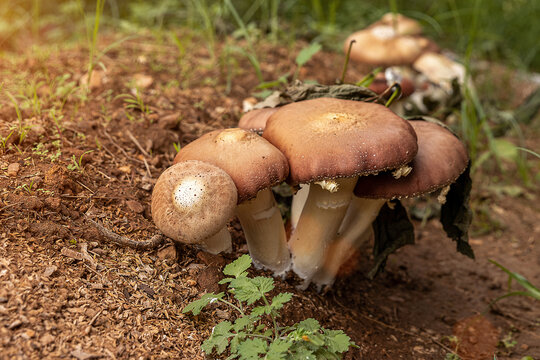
[530, 289]
[255, 334]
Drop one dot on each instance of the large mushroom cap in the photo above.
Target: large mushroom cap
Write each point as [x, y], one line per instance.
[251, 161]
[192, 201]
[441, 158]
[255, 120]
[381, 45]
[331, 138]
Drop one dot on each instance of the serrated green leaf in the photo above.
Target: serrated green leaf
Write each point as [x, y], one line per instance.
[196, 306]
[263, 284]
[259, 310]
[251, 348]
[310, 324]
[238, 267]
[225, 281]
[278, 349]
[307, 53]
[337, 341]
[241, 323]
[300, 351]
[219, 338]
[280, 299]
[245, 290]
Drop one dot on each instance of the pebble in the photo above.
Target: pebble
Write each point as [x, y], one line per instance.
[13, 169]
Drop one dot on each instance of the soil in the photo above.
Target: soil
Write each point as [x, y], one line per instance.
[68, 292]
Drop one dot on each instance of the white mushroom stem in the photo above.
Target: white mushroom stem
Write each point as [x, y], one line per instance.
[298, 201]
[355, 230]
[265, 232]
[220, 242]
[319, 222]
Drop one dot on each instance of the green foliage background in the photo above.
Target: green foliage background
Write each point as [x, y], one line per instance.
[508, 30]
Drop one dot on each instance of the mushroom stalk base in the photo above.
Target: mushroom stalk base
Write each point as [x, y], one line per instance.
[220, 242]
[265, 232]
[319, 222]
[355, 230]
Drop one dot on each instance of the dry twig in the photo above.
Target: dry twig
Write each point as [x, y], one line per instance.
[153, 243]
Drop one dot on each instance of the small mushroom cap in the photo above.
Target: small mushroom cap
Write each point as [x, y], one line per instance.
[192, 201]
[251, 161]
[381, 45]
[331, 138]
[441, 158]
[255, 120]
[405, 25]
[440, 69]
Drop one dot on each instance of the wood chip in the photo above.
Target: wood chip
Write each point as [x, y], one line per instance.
[82, 355]
[71, 254]
[50, 270]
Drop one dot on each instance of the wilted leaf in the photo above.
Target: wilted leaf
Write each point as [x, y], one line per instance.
[456, 216]
[392, 229]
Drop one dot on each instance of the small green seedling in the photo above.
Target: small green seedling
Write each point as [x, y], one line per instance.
[249, 336]
[77, 164]
[530, 289]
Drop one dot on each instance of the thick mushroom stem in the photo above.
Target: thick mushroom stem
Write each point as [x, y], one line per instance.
[318, 225]
[355, 230]
[220, 242]
[265, 232]
[298, 201]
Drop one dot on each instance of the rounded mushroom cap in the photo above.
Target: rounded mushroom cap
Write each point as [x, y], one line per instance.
[441, 158]
[192, 201]
[251, 161]
[331, 138]
[255, 120]
[381, 45]
[440, 69]
[405, 25]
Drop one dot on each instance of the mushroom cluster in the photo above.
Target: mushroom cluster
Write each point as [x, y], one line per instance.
[408, 58]
[348, 157]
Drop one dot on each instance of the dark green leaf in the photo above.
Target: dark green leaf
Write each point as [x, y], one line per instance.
[392, 229]
[456, 215]
[196, 306]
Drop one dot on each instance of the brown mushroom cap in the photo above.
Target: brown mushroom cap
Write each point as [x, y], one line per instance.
[192, 201]
[331, 138]
[255, 120]
[441, 158]
[381, 45]
[251, 161]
